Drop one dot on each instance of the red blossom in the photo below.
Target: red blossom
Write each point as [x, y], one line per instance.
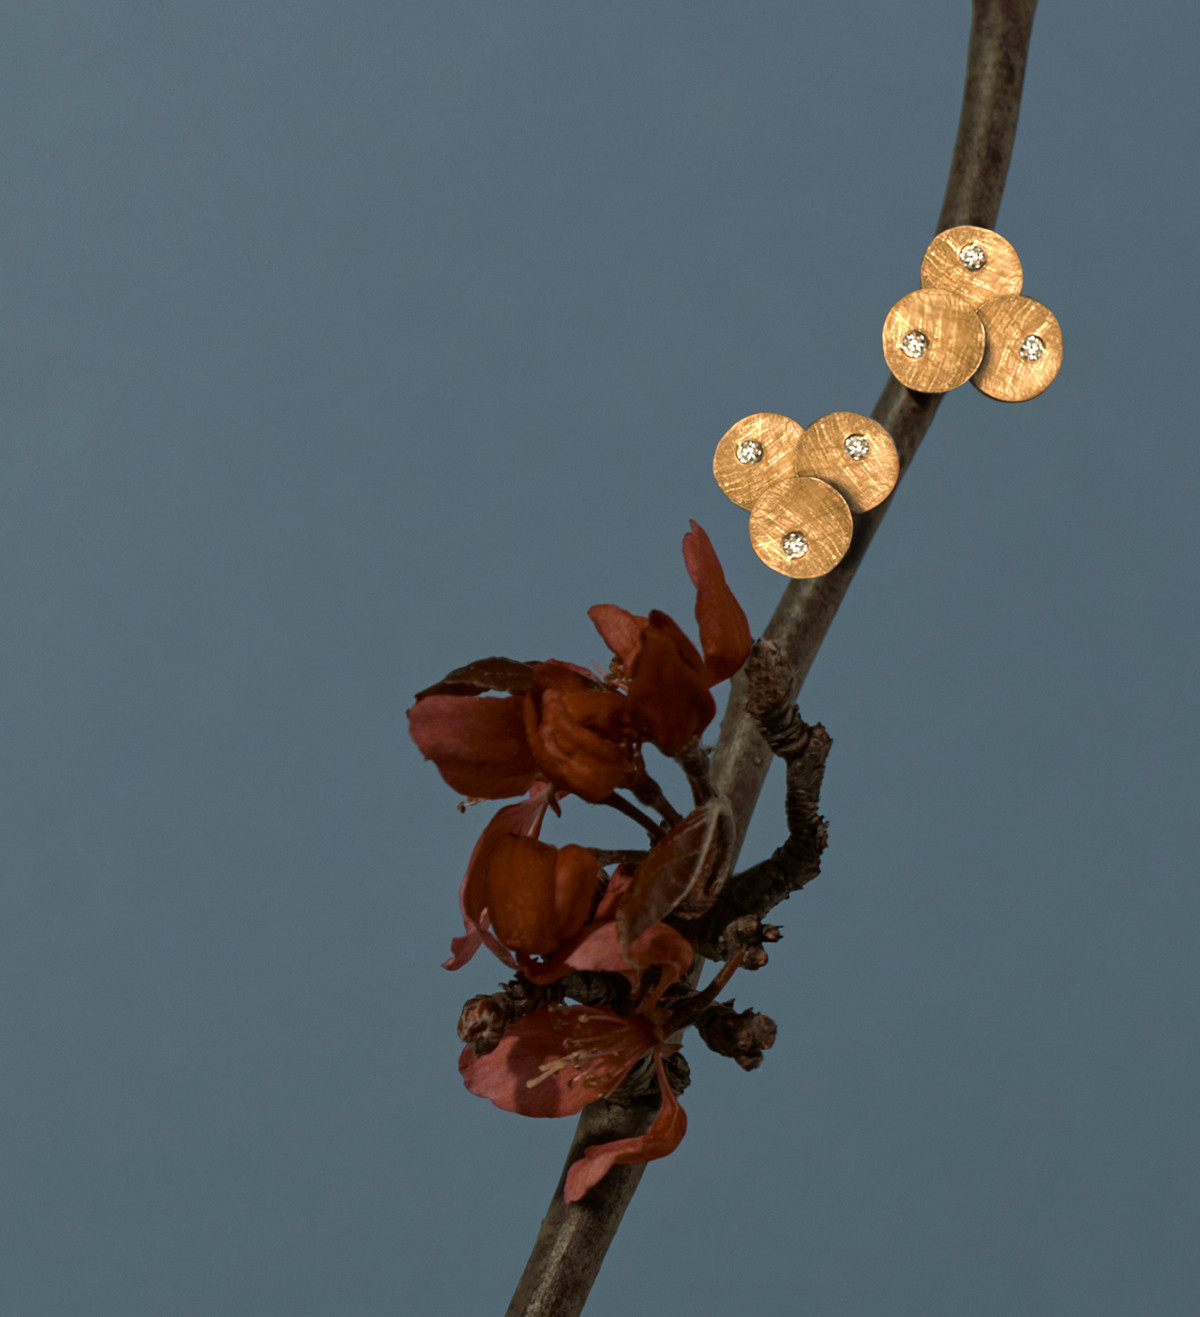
[558, 724]
[667, 679]
[660, 1140]
[521, 820]
[598, 947]
[579, 732]
[536, 895]
[724, 631]
[478, 745]
[554, 1062]
[498, 728]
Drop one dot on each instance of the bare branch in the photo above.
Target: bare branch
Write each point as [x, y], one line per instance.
[574, 1238]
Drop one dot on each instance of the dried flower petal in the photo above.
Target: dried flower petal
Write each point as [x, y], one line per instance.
[724, 631]
[554, 1062]
[661, 1139]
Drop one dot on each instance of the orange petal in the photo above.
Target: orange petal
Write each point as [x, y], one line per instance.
[554, 1062]
[724, 631]
[580, 733]
[620, 630]
[538, 896]
[521, 820]
[661, 1139]
[477, 742]
[669, 690]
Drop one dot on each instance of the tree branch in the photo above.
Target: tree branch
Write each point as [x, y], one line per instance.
[574, 1237]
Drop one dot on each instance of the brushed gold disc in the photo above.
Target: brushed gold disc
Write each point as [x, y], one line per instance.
[1024, 349]
[801, 526]
[932, 340]
[754, 453]
[854, 454]
[975, 263]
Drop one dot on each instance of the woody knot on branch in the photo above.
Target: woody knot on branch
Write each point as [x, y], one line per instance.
[743, 1035]
[735, 919]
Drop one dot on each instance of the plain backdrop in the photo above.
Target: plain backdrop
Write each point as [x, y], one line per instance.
[343, 344]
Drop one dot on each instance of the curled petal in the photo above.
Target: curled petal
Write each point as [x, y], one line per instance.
[662, 1138]
[537, 896]
[477, 742]
[663, 945]
[598, 947]
[669, 689]
[580, 735]
[554, 1062]
[724, 631]
[620, 630]
[521, 820]
[490, 674]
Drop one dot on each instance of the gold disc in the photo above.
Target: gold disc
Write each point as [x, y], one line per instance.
[801, 526]
[933, 340]
[854, 454]
[1024, 349]
[754, 453]
[975, 263]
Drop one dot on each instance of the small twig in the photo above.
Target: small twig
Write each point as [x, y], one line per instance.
[650, 793]
[735, 917]
[696, 763]
[656, 831]
[604, 857]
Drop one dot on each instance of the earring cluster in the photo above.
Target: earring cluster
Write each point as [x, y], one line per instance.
[802, 486]
[967, 321]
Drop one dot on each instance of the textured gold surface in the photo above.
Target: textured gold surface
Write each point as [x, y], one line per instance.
[744, 482]
[942, 267]
[864, 483]
[955, 336]
[1004, 374]
[816, 510]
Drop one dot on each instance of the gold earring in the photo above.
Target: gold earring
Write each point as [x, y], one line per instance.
[1024, 349]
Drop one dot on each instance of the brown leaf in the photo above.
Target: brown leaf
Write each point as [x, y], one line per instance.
[683, 873]
[490, 674]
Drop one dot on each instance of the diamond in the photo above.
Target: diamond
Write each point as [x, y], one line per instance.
[973, 256]
[794, 545]
[914, 344]
[857, 446]
[1032, 348]
[749, 451]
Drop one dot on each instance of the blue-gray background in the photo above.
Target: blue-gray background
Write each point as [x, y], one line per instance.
[346, 343]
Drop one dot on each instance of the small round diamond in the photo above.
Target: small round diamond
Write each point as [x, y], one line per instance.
[749, 451]
[973, 256]
[794, 545]
[1032, 348]
[914, 344]
[857, 446]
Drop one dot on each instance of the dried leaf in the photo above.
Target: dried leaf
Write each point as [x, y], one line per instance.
[683, 873]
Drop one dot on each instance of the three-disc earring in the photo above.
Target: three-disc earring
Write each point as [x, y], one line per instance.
[802, 485]
[970, 321]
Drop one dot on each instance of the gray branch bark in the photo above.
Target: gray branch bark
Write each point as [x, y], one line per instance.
[574, 1237]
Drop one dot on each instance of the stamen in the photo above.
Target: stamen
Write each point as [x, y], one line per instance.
[547, 1068]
